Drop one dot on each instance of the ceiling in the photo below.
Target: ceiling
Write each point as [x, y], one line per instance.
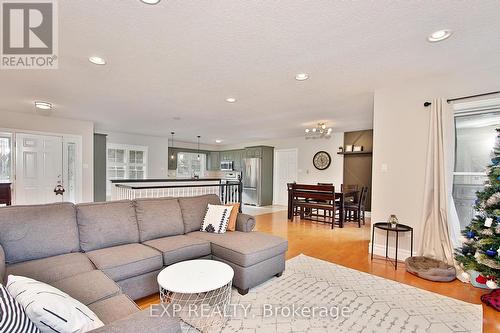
[182, 59]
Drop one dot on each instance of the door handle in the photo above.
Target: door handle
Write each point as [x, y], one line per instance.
[59, 189]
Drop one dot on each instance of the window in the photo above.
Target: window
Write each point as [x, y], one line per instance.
[5, 157]
[475, 138]
[191, 164]
[126, 162]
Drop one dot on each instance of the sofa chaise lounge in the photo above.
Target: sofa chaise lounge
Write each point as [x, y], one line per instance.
[107, 254]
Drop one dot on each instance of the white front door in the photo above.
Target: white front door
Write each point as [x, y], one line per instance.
[39, 165]
[285, 171]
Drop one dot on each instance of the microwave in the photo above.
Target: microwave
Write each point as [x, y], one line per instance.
[226, 166]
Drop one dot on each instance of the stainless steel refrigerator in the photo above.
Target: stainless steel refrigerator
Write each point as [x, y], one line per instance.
[252, 181]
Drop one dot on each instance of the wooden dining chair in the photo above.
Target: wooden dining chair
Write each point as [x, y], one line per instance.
[326, 213]
[355, 211]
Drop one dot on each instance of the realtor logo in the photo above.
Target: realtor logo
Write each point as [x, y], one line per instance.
[29, 35]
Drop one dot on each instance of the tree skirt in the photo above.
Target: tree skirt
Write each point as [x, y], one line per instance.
[370, 304]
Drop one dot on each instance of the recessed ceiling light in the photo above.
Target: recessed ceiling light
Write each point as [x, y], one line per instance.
[230, 99]
[218, 140]
[150, 2]
[43, 105]
[97, 60]
[439, 35]
[301, 76]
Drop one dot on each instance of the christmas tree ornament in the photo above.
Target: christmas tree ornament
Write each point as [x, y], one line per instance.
[481, 279]
[491, 253]
[497, 218]
[488, 222]
[487, 232]
[491, 284]
[497, 229]
[470, 234]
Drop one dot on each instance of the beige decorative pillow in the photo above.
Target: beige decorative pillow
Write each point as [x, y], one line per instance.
[216, 219]
[231, 226]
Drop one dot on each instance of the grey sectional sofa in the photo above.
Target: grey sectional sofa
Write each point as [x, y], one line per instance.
[105, 254]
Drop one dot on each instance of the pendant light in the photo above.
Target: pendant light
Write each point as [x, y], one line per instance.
[198, 147]
[172, 156]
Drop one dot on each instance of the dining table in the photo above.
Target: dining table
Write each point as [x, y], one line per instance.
[340, 197]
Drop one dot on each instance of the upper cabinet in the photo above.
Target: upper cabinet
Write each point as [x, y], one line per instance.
[251, 152]
[239, 155]
[214, 158]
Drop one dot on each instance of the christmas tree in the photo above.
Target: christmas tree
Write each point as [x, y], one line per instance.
[480, 249]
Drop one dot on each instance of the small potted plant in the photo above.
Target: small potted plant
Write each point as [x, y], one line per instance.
[393, 220]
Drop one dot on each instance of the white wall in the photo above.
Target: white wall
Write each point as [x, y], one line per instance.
[307, 173]
[400, 142]
[157, 149]
[38, 123]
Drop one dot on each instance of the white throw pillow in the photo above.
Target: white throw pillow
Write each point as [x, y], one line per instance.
[216, 219]
[50, 309]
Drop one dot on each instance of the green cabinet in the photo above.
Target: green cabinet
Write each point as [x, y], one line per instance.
[214, 160]
[239, 155]
[252, 152]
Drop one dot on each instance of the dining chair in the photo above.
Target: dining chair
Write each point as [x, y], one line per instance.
[326, 213]
[357, 208]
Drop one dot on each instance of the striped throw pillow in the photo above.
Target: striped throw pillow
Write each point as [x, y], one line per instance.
[216, 219]
[13, 319]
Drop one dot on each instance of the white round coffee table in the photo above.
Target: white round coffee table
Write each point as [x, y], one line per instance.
[198, 291]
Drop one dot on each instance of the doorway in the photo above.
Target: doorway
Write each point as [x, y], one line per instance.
[39, 166]
[46, 168]
[285, 171]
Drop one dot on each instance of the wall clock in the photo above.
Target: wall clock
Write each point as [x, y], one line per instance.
[322, 160]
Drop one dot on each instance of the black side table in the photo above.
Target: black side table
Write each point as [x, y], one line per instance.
[387, 227]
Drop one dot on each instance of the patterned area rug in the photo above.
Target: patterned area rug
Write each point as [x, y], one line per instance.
[317, 296]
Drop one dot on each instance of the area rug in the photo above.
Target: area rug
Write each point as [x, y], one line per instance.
[313, 295]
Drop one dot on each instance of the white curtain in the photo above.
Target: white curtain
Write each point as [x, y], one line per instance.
[440, 229]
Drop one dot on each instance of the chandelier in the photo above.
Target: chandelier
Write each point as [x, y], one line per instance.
[319, 131]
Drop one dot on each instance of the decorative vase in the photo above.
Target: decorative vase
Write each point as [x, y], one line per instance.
[393, 220]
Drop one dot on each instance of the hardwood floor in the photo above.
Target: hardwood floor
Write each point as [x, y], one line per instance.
[349, 247]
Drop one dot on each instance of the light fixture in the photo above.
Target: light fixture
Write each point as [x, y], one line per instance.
[320, 131]
[230, 99]
[301, 76]
[218, 140]
[439, 35]
[172, 156]
[43, 105]
[97, 60]
[198, 138]
[150, 2]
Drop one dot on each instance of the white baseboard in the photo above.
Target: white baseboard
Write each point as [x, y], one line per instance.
[379, 250]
